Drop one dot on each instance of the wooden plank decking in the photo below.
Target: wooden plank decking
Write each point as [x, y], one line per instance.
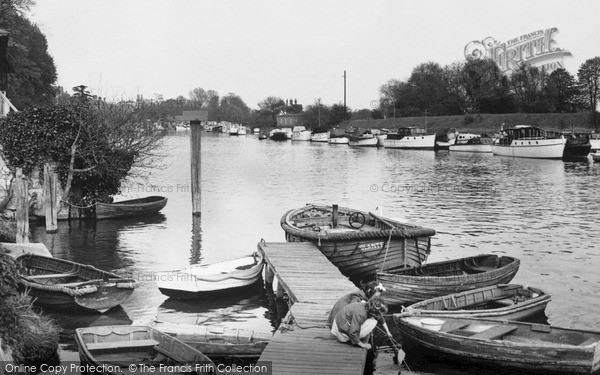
[313, 285]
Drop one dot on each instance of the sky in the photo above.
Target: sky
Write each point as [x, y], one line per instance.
[290, 49]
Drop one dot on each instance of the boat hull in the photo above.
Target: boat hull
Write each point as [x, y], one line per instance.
[62, 284]
[532, 347]
[134, 207]
[365, 142]
[471, 148]
[358, 254]
[113, 349]
[301, 135]
[339, 141]
[503, 301]
[198, 280]
[418, 142]
[406, 286]
[319, 137]
[534, 149]
[218, 342]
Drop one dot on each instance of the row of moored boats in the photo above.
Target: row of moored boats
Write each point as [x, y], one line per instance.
[465, 308]
[521, 141]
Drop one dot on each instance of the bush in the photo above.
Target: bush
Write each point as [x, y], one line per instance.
[31, 338]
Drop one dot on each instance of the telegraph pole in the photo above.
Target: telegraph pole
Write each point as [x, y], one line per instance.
[344, 91]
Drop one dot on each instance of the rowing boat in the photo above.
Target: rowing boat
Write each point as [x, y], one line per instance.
[206, 279]
[218, 342]
[59, 283]
[358, 242]
[414, 284]
[138, 349]
[518, 345]
[502, 301]
[131, 207]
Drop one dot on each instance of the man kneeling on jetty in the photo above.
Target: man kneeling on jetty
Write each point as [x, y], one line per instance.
[357, 320]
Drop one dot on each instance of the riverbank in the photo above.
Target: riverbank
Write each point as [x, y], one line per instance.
[481, 123]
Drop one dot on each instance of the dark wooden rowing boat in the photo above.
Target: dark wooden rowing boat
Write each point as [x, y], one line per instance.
[115, 349]
[502, 301]
[414, 284]
[59, 283]
[518, 345]
[357, 242]
[132, 207]
[218, 342]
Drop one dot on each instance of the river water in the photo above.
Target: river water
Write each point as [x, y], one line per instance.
[545, 212]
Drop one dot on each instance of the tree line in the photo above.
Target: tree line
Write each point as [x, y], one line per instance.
[479, 86]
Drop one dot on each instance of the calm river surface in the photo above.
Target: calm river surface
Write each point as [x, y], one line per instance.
[545, 212]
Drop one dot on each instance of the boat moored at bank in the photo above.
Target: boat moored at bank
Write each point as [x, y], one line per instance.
[525, 141]
[467, 142]
[410, 138]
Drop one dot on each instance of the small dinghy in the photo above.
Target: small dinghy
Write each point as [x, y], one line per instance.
[63, 284]
[132, 207]
[203, 279]
[218, 342]
[502, 301]
[518, 345]
[414, 284]
[138, 349]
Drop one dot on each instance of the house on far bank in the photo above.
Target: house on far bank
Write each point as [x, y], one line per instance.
[289, 120]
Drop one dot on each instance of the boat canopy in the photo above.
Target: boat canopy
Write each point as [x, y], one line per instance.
[526, 132]
[337, 133]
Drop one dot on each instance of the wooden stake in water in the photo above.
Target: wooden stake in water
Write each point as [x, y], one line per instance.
[51, 198]
[22, 214]
[195, 159]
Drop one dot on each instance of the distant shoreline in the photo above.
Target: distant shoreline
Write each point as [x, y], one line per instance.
[482, 123]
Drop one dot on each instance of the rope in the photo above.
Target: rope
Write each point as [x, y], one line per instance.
[387, 247]
[75, 206]
[58, 288]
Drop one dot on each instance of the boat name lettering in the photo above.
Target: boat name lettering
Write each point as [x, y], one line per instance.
[536, 49]
[371, 246]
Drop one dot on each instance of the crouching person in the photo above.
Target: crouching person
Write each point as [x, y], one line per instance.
[355, 321]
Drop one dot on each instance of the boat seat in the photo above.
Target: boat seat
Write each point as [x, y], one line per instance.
[505, 301]
[495, 332]
[589, 341]
[121, 344]
[478, 269]
[51, 276]
[453, 326]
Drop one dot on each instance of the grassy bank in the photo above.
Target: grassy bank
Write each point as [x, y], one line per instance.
[481, 123]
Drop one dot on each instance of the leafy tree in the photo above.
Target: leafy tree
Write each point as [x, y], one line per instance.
[232, 108]
[35, 72]
[487, 87]
[339, 113]
[212, 100]
[561, 90]
[316, 115]
[94, 145]
[272, 105]
[429, 90]
[528, 84]
[199, 97]
[589, 78]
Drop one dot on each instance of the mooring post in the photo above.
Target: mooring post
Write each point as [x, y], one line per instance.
[51, 198]
[335, 216]
[22, 214]
[195, 159]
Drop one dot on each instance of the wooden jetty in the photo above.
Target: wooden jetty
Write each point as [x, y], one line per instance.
[304, 344]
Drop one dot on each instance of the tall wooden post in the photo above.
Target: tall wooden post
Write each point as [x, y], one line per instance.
[195, 159]
[51, 198]
[22, 214]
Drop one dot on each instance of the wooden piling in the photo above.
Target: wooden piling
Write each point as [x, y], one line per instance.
[195, 159]
[51, 198]
[22, 214]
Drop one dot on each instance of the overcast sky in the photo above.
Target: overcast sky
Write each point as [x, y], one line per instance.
[291, 49]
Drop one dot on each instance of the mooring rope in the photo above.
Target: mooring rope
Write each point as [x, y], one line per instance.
[75, 206]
